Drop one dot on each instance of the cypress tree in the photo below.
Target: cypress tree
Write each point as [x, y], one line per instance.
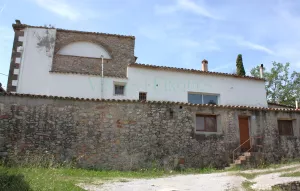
[240, 70]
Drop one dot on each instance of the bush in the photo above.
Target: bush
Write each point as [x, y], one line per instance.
[13, 182]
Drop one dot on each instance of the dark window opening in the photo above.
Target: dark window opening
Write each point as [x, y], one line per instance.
[171, 113]
[143, 96]
[285, 127]
[206, 123]
[119, 89]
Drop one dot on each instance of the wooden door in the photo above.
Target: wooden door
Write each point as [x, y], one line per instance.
[244, 133]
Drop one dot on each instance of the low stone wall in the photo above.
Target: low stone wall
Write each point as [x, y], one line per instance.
[130, 135]
[292, 186]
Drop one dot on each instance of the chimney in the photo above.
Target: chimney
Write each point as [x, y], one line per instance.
[261, 71]
[18, 22]
[204, 65]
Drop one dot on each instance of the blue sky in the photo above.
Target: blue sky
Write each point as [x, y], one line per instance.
[179, 33]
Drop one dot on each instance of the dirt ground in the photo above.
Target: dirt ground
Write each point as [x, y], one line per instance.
[225, 181]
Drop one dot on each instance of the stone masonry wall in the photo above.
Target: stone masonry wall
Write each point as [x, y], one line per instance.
[120, 48]
[129, 135]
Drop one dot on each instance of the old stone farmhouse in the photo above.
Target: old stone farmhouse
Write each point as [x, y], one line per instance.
[81, 96]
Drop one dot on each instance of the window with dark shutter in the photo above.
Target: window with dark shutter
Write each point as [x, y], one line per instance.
[143, 96]
[285, 127]
[207, 123]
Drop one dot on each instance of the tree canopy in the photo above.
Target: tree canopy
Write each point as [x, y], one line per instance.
[240, 70]
[282, 85]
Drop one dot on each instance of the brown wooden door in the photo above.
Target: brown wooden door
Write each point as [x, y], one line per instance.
[244, 133]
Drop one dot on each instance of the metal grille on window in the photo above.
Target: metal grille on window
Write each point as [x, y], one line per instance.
[119, 90]
[143, 96]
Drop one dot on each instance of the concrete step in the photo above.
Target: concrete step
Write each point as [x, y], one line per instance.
[237, 162]
[242, 157]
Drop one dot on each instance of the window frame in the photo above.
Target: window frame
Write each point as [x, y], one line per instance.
[280, 131]
[205, 128]
[145, 96]
[202, 95]
[119, 84]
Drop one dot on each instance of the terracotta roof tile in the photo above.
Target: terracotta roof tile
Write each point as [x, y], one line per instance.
[278, 104]
[154, 102]
[22, 26]
[192, 71]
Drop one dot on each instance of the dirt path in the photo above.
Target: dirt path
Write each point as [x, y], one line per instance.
[226, 181]
[215, 181]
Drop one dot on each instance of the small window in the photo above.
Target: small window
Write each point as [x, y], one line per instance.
[119, 89]
[202, 98]
[142, 96]
[285, 127]
[207, 123]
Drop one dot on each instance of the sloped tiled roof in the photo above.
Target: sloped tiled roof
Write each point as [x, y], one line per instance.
[21, 26]
[153, 102]
[281, 105]
[192, 71]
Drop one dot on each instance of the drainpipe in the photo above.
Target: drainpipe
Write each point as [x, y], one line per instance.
[101, 76]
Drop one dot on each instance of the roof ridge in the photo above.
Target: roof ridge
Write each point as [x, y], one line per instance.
[155, 102]
[18, 26]
[195, 70]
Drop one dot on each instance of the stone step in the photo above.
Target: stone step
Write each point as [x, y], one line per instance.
[242, 157]
[237, 162]
[247, 154]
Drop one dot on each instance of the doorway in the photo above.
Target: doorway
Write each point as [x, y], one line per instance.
[244, 133]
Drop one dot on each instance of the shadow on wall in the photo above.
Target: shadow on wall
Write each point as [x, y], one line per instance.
[13, 182]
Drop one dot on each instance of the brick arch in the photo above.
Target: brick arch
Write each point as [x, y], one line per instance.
[67, 41]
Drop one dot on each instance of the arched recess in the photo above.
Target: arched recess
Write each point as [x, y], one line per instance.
[84, 49]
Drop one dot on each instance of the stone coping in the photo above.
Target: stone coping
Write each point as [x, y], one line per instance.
[22, 26]
[150, 102]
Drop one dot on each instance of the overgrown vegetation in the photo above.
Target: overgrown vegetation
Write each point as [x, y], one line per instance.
[282, 85]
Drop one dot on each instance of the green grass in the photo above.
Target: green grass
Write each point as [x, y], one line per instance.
[42, 179]
[292, 174]
[247, 185]
[250, 176]
[37, 178]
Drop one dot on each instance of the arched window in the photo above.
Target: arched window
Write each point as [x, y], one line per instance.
[84, 49]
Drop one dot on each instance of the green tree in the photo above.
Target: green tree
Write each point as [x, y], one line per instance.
[282, 86]
[240, 70]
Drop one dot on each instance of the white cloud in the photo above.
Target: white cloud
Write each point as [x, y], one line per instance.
[65, 9]
[240, 41]
[2, 8]
[189, 5]
[186, 5]
[254, 46]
